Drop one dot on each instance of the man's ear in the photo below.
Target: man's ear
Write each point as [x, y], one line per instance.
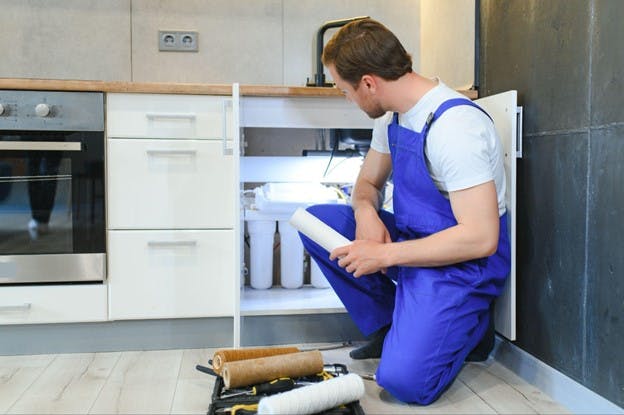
[369, 82]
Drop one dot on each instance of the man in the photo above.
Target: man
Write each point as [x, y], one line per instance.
[419, 281]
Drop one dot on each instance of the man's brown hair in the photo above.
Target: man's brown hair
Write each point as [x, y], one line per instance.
[366, 47]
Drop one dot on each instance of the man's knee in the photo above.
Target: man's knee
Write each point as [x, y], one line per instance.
[412, 382]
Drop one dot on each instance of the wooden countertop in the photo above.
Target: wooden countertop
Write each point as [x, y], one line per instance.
[174, 88]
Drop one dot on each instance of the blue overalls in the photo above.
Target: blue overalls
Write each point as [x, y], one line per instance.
[437, 314]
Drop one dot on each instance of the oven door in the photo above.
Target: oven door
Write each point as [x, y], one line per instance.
[52, 223]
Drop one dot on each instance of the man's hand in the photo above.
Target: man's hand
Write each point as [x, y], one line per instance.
[361, 257]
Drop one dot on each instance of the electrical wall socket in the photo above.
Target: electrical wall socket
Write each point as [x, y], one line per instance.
[177, 41]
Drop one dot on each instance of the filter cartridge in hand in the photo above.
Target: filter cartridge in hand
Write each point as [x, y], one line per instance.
[315, 229]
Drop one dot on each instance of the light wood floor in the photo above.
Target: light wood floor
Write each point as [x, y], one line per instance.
[162, 382]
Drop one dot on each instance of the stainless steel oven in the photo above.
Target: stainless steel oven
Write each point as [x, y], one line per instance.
[52, 218]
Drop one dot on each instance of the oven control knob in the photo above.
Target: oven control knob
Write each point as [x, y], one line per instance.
[42, 110]
[1, 109]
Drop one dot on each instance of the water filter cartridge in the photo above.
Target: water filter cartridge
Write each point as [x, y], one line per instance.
[315, 229]
[315, 398]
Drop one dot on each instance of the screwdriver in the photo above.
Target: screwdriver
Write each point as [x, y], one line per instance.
[267, 388]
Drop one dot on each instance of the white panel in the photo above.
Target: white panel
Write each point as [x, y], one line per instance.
[502, 109]
[161, 184]
[300, 169]
[305, 112]
[281, 301]
[170, 274]
[239, 226]
[53, 304]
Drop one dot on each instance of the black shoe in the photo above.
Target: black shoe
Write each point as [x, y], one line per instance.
[372, 349]
[485, 346]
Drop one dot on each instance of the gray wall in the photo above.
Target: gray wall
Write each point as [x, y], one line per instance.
[247, 41]
[447, 41]
[565, 58]
[269, 42]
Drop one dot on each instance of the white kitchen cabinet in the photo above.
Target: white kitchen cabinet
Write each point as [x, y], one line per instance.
[171, 274]
[172, 174]
[31, 304]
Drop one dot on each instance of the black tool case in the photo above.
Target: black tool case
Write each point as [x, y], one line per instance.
[219, 404]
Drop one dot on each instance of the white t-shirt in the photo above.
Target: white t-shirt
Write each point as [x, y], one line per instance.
[462, 147]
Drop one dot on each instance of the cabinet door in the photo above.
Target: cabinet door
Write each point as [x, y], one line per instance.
[167, 184]
[52, 304]
[171, 274]
[503, 110]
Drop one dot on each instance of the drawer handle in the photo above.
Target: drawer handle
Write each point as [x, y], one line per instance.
[163, 244]
[226, 150]
[17, 307]
[171, 116]
[172, 152]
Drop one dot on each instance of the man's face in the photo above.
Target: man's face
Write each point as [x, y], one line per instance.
[362, 96]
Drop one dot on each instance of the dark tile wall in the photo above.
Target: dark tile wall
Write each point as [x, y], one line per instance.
[565, 58]
[605, 263]
[539, 48]
[551, 248]
[607, 63]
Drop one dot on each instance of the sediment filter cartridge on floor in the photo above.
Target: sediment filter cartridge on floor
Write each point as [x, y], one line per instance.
[314, 398]
[264, 369]
[231, 355]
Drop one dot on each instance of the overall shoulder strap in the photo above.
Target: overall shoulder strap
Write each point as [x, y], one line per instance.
[448, 104]
[395, 118]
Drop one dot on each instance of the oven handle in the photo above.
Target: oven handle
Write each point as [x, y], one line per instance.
[41, 145]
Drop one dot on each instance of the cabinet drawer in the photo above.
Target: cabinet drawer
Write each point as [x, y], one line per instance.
[169, 116]
[53, 304]
[164, 184]
[171, 274]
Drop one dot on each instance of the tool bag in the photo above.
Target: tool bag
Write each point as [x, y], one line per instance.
[243, 401]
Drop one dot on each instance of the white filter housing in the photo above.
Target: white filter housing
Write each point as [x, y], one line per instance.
[261, 236]
[291, 258]
[317, 279]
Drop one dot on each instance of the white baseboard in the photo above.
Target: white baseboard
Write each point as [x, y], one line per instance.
[566, 391]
